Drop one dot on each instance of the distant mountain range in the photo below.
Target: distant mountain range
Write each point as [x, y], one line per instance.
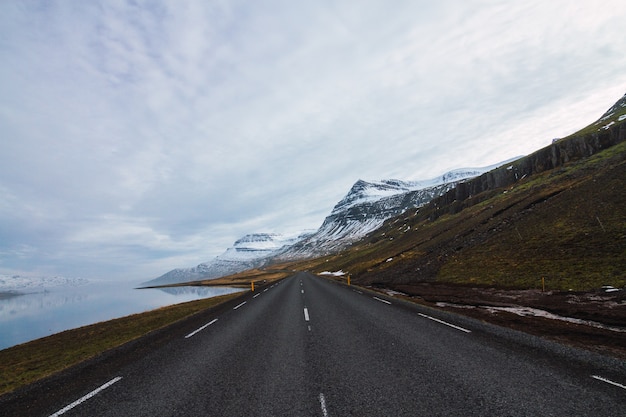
[251, 251]
[364, 209]
[19, 284]
[369, 204]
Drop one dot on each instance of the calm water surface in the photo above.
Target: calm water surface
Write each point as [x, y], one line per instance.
[31, 316]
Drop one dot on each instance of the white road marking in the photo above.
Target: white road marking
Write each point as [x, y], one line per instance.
[323, 405]
[306, 314]
[446, 323]
[86, 397]
[608, 381]
[381, 300]
[265, 289]
[235, 308]
[357, 291]
[302, 291]
[256, 295]
[200, 329]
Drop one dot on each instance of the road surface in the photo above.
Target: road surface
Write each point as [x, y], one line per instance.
[307, 346]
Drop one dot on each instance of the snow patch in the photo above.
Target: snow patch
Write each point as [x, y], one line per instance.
[535, 312]
[606, 127]
[34, 284]
[336, 273]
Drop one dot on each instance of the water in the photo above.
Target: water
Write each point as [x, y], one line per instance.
[31, 316]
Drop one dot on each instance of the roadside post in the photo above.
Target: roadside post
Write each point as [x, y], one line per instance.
[348, 279]
[252, 285]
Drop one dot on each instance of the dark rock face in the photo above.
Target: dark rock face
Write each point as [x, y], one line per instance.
[550, 157]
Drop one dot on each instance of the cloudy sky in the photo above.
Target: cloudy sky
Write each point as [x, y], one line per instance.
[140, 136]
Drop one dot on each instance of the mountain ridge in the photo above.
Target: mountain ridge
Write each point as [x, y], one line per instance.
[363, 209]
[557, 213]
[250, 251]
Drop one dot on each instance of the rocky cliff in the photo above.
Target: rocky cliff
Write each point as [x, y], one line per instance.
[604, 133]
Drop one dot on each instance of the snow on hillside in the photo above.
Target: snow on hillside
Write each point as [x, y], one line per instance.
[23, 284]
[369, 204]
[251, 251]
[373, 191]
[257, 245]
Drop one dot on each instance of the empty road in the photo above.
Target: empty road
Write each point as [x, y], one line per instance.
[310, 347]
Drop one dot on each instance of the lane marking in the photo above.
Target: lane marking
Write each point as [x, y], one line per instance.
[86, 397]
[256, 295]
[445, 322]
[323, 405]
[306, 314]
[200, 329]
[302, 291]
[357, 291]
[381, 300]
[608, 381]
[265, 289]
[235, 308]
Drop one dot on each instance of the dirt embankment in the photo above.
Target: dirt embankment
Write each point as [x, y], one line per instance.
[592, 320]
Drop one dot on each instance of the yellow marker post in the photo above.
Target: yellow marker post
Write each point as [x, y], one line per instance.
[543, 284]
[348, 279]
[252, 285]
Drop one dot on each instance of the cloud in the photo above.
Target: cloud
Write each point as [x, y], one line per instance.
[142, 136]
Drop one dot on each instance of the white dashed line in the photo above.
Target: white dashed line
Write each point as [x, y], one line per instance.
[256, 295]
[235, 308]
[200, 329]
[323, 405]
[306, 314]
[445, 322]
[381, 300]
[86, 397]
[265, 289]
[608, 381]
[302, 291]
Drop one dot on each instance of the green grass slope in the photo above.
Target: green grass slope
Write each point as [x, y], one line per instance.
[565, 223]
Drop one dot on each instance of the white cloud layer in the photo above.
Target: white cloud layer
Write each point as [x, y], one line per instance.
[141, 136]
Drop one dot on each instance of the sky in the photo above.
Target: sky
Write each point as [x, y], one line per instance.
[141, 136]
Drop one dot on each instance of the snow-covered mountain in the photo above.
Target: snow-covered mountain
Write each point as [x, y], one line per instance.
[20, 284]
[251, 251]
[369, 204]
[364, 209]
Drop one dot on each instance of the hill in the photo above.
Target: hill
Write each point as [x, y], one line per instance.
[558, 213]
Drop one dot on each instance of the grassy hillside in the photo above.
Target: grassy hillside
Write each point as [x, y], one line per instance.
[567, 225]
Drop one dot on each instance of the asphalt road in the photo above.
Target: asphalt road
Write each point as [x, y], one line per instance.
[310, 347]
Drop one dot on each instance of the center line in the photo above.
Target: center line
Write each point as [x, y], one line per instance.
[86, 397]
[235, 308]
[306, 314]
[323, 405]
[256, 295]
[302, 291]
[445, 322]
[200, 329]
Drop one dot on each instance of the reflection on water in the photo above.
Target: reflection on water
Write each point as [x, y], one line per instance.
[197, 292]
[31, 316]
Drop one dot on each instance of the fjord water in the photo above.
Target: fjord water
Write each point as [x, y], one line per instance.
[31, 316]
